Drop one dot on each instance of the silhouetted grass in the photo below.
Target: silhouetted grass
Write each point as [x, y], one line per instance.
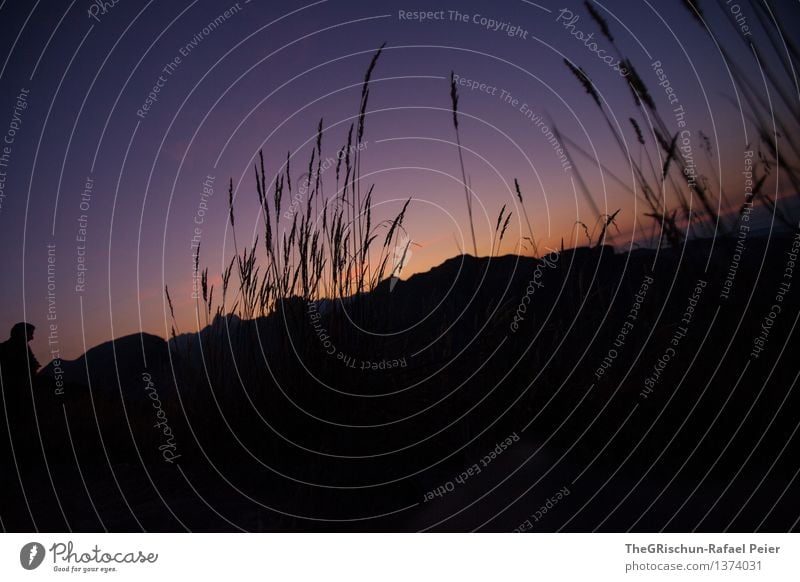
[661, 169]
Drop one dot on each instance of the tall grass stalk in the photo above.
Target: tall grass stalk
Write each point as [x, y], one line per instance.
[467, 194]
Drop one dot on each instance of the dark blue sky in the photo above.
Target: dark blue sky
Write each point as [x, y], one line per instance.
[261, 77]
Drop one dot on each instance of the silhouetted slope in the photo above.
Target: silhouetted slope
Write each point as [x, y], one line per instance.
[309, 408]
[118, 363]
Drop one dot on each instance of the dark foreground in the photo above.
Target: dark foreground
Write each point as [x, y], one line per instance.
[588, 391]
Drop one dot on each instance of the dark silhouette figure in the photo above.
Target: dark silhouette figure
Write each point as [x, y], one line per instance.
[18, 367]
[17, 362]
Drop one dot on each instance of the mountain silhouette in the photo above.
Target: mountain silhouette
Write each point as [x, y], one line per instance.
[409, 385]
[117, 364]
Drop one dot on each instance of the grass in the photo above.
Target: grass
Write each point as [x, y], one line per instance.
[334, 248]
[467, 193]
[662, 176]
[331, 247]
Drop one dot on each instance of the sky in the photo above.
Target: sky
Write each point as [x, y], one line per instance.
[118, 118]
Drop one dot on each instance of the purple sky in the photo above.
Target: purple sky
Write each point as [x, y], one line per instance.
[261, 78]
